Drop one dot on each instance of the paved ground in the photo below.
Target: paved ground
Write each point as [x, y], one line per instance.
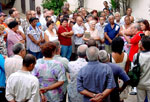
[131, 98]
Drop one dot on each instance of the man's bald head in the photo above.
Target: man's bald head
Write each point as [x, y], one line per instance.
[79, 20]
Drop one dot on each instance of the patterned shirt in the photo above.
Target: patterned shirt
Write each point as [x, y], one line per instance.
[49, 72]
[74, 68]
[3, 49]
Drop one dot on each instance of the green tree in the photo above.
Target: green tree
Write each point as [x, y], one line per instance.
[55, 5]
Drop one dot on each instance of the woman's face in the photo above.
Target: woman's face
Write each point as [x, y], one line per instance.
[15, 28]
[64, 23]
[93, 25]
[51, 26]
[143, 27]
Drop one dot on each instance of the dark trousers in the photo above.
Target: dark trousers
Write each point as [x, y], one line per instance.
[2, 95]
[36, 54]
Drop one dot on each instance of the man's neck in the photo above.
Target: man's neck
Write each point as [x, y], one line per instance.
[24, 69]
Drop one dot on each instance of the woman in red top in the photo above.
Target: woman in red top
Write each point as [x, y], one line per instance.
[64, 35]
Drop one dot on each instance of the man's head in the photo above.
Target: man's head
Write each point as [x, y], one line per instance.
[92, 53]
[81, 51]
[64, 10]
[28, 14]
[33, 21]
[146, 43]
[134, 28]
[101, 20]
[105, 3]
[79, 20]
[33, 13]
[111, 19]
[12, 13]
[129, 11]
[103, 56]
[91, 42]
[58, 47]
[67, 5]
[89, 18]
[29, 62]
[117, 16]
[38, 10]
[17, 14]
[2, 17]
[127, 20]
[19, 49]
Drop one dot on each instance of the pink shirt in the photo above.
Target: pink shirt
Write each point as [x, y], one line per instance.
[12, 39]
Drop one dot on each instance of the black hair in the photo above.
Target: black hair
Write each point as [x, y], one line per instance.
[11, 12]
[117, 45]
[28, 60]
[146, 42]
[49, 23]
[32, 19]
[64, 19]
[13, 24]
[47, 17]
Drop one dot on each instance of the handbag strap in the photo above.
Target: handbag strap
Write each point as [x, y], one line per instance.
[137, 59]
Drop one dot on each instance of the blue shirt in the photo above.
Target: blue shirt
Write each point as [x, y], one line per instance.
[2, 71]
[118, 73]
[95, 77]
[111, 32]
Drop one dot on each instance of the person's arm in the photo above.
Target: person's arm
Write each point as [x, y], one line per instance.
[127, 39]
[12, 101]
[88, 94]
[107, 37]
[127, 66]
[53, 86]
[33, 40]
[46, 37]
[23, 35]
[41, 38]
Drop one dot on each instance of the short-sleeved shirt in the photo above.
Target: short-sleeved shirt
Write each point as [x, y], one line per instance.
[78, 30]
[95, 77]
[111, 32]
[12, 39]
[134, 47]
[49, 72]
[36, 34]
[118, 73]
[64, 40]
[2, 72]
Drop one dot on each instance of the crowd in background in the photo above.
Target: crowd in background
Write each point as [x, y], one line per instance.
[83, 54]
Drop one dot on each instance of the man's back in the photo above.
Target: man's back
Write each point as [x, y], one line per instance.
[22, 86]
[13, 64]
[95, 77]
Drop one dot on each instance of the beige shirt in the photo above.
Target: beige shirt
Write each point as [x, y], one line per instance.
[13, 64]
[22, 86]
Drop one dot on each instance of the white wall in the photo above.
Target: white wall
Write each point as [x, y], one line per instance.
[17, 5]
[141, 8]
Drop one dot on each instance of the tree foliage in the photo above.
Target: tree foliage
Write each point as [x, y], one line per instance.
[55, 5]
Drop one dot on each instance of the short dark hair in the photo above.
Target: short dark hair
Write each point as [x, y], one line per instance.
[146, 42]
[17, 48]
[32, 19]
[28, 60]
[49, 23]
[13, 24]
[48, 49]
[64, 19]
[117, 45]
[47, 17]
[11, 12]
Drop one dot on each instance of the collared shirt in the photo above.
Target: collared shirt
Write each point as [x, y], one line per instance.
[95, 77]
[12, 65]
[74, 68]
[22, 86]
[2, 72]
[78, 30]
[12, 39]
[49, 72]
[111, 32]
[36, 34]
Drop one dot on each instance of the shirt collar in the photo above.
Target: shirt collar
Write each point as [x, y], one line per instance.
[25, 72]
[17, 56]
[93, 62]
[81, 59]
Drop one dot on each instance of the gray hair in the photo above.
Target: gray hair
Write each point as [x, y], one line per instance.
[92, 53]
[103, 56]
[17, 48]
[81, 51]
[57, 45]
[137, 26]
[117, 13]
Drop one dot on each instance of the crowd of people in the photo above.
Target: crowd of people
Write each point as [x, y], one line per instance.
[87, 56]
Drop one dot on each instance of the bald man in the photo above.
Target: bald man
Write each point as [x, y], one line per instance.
[111, 31]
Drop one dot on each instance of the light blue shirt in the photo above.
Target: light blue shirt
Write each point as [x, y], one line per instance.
[95, 77]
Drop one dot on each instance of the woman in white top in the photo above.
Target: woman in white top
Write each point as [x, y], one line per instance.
[121, 58]
[50, 33]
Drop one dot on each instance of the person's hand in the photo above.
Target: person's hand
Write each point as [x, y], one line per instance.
[43, 90]
[97, 98]
[38, 42]
[43, 98]
[110, 41]
[19, 32]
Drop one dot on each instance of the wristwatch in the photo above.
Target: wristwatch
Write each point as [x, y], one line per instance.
[94, 95]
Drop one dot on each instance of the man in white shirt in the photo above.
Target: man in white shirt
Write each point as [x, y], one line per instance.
[22, 86]
[78, 30]
[13, 64]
